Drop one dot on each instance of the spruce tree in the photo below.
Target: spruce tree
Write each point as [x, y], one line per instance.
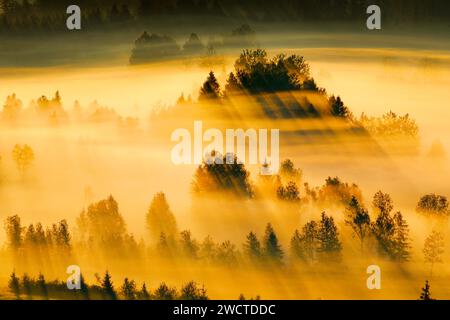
[426, 294]
[14, 285]
[210, 88]
[252, 247]
[108, 288]
[128, 289]
[272, 248]
[328, 237]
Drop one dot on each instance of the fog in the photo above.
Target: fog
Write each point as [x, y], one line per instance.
[79, 163]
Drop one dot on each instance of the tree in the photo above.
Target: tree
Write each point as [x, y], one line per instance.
[188, 245]
[191, 291]
[163, 292]
[391, 232]
[383, 202]
[304, 245]
[128, 289]
[108, 288]
[288, 172]
[103, 225]
[433, 249]
[272, 248]
[220, 175]
[143, 294]
[160, 219]
[338, 109]
[401, 238]
[210, 88]
[433, 205]
[26, 285]
[63, 235]
[12, 108]
[14, 285]
[328, 237]
[289, 192]
[232, 86]
[23, 156]
[226, 253]
[42, 286]
[252, 247]
[426, 294]
[13, 230]
[359, 220]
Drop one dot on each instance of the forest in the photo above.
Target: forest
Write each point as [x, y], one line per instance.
[286, 225]
[48, 15]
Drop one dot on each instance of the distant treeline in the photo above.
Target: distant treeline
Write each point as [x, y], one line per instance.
[50, 14]
[29, 288]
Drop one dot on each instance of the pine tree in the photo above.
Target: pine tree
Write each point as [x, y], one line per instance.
[84, 289]
[108, 288]
[426, 294]
[232, 86]
[328, 237]
[401, 238]
[14, 230]
[210, 88]
[128, 289]
[252, 247]
[272, 248]
[359, 220]
[160, 219]
[42, 286]
[26, 285]
[143, 294]
[14, 285]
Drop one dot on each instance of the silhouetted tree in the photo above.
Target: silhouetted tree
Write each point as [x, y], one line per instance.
[426, 294]
[13, 230]
[359, 220]
[305, 244]
[328, 237]
[14, 285]
[26, 285]
[222, 175]
[128, 289]
[290, 192]
[233, 85]
[108, 288]
[143, 294]
[163, 292]
[191, 291]
[272, 248]
[252, 247]
[42, 286]
[210, 88]
[338, 109]
[433, 205]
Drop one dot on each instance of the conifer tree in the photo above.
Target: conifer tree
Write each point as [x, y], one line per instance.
[272, 248]
[426, 294]
[359, 220]
[128, 289]
[14, 285]
[328, 237]
[252, 247]
[210, 88]
[108, 288]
